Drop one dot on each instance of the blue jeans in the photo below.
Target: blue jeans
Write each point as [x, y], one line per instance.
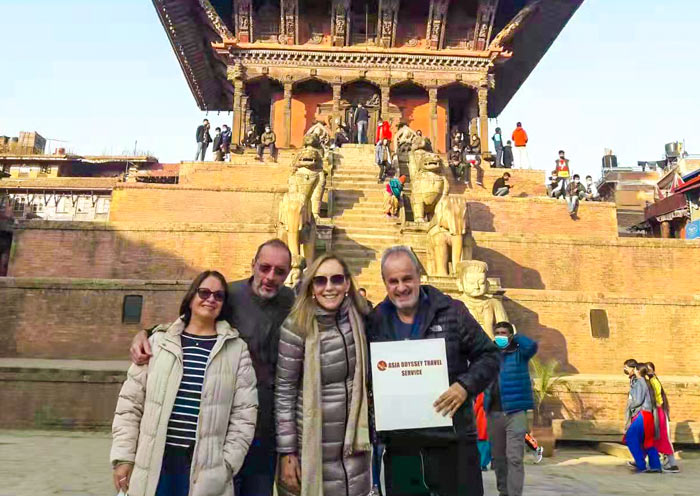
[257, 475]
[175, 472]
[377, 453]
[201, 151]
[635, 443]
[362, 132]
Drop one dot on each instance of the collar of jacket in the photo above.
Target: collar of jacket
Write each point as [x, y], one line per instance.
[430, 302]
[173, 332]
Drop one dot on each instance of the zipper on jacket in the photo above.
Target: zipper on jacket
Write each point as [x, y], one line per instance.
[347, 405]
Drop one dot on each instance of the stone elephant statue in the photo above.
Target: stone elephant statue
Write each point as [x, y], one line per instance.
[428, 182]
[446, 236]
[296, 226]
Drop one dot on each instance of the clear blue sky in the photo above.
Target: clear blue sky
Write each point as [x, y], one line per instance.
[101, 75]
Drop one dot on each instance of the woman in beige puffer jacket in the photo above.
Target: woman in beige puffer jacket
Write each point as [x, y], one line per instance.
[227, 406]
[321, 402]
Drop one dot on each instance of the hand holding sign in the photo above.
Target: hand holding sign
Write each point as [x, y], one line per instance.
[449, 402]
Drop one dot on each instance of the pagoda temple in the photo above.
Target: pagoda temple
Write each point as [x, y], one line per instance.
[432, 64]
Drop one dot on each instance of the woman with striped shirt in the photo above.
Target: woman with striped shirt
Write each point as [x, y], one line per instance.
[184, 422]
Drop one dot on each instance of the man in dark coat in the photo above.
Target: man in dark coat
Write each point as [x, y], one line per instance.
[203, 140]
[216, 146]
[449, 459]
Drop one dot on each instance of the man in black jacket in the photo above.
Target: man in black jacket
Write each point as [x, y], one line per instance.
[216, 146]
[449, 459]
[203, 140]
[260, 305]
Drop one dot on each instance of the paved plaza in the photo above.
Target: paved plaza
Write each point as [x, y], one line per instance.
[36, 463]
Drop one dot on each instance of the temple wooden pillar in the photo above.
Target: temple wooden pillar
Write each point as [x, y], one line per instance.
[666, 229]
[484, 120]
[337, 88]
[237, 124]
[243, 21]
[437, 14]
[287, 131]
[432, 100]
[340, 22]
[385, 89]
[244, 115]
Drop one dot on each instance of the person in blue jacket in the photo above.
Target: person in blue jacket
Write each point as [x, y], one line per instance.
[506, 402]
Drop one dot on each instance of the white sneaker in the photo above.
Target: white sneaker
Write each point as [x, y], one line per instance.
[537, 454]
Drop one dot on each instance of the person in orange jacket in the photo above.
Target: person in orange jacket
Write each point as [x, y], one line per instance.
[520, 139]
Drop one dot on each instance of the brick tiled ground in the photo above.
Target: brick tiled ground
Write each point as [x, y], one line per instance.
[76, 464]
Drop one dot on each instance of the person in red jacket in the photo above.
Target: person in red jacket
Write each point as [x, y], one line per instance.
[383, 131]
[520, 139]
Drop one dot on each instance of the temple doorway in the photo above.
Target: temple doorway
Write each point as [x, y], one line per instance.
[461, 110]
[260, 92]
[308, 99]
[412, 103]
[367, 94]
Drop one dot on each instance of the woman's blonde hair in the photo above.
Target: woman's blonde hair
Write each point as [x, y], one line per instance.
[303, 312]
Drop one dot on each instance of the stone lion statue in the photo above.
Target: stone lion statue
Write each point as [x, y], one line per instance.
[307, 175]
[428, 181]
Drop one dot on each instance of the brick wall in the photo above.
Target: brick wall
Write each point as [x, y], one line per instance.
[542, 216]
[64, 318]
[134, 251]
[175, 203]
[622, 265]
[659, 329]
[247, 175]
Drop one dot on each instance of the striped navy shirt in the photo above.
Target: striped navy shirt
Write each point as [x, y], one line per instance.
[182, 426]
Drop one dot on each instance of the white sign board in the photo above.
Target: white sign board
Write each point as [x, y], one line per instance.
[407, 378]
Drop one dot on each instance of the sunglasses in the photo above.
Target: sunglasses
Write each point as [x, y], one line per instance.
[205, 293]
[322, 281]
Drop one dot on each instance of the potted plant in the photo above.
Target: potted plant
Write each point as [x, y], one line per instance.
[546, 377]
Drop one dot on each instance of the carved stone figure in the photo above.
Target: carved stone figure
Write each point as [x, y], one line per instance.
[295, 275]
[307, 175]
[428, 181]
[321, 132]
[446, 237]
[486, 307]
[296, 225]
[403, 138]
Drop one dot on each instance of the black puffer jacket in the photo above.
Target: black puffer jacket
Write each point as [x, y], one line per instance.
[473, 359]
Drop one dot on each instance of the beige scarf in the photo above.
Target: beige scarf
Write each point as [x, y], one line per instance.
[357, 432]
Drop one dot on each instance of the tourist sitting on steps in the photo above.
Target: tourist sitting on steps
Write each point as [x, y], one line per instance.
[200, 380]
[575, 192]
[267, 140]
[506, 402]
[555, 187]
[591, 190]
[457, 166]
[501, 186]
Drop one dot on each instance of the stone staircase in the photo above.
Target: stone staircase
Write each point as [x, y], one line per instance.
[361, 230]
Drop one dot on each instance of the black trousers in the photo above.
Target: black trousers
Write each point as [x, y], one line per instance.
[450, 470]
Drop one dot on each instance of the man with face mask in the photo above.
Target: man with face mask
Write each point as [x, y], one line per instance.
[575, 192]
[267, 140]
[260, 304]
[506, 402]
[591, 190]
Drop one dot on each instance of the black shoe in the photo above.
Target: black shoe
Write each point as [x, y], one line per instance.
[672, 469]
[653, 471]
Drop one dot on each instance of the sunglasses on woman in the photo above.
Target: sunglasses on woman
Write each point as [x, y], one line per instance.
[205, 293]
[322, 281]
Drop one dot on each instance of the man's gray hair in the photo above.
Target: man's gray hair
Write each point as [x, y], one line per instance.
[397, 250]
